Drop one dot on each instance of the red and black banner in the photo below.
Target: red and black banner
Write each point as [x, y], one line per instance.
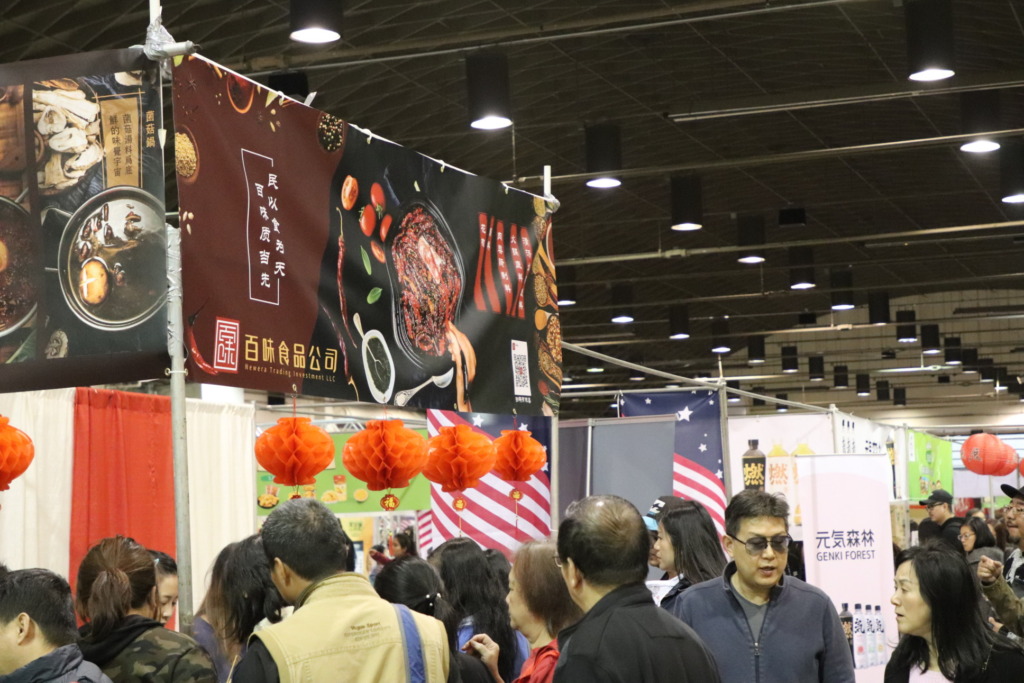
[322, 260]
[82, 239]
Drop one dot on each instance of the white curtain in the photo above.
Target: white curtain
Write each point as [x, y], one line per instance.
[35, 513]
[222, 482]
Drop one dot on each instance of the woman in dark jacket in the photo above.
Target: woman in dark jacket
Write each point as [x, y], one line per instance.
[117, 599]
[687, 548]
[941, 625]
[978, 541]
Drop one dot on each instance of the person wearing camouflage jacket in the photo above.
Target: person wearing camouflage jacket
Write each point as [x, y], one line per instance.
[140, 650]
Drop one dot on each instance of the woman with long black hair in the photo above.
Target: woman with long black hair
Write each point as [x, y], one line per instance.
[476, 595]
[688, 549]
[943, 633]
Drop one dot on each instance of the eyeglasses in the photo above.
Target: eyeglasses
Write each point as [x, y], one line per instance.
[756, 545]
[934, 505]
[964, 537]
[1014, 509]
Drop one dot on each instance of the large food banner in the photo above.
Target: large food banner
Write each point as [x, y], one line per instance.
[82, 240]
[320, 259]
[929, 465]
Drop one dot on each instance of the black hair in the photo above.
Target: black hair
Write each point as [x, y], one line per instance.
[606, 539]
[4, 571]
[960, 635]
[45, 597]
[350, 552]
[983, 537]
[751, 504]
[474, 591]
[116, 576]
[307, 537]
[927, 529]
[698, 550]
[406, 541]
[165, 564]
[500, 565]
[241, 593]
[412, 582]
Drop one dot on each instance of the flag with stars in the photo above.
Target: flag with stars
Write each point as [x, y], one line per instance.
[698, 472]
[491, 517]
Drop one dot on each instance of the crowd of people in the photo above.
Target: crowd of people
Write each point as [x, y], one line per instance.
[571, 610]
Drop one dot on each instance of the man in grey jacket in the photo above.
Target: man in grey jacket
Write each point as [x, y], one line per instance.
[761, 626]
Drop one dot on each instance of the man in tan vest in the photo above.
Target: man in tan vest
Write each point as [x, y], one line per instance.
[341, 631]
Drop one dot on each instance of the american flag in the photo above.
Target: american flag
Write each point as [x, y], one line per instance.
[697, 470]
[490, 516]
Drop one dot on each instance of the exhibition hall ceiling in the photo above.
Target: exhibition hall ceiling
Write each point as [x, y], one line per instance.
[790, 105]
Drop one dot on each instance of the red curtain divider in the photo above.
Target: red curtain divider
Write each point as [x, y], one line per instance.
[123, 472]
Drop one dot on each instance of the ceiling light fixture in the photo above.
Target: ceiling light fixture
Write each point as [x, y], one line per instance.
[952, 356]
[1001, 378]
[316, 21]
[733, 384]
[969, 360]
[899, 396]
[792, 217]
[755, 349]
[566, 286]
[1011, 172]
[757, 401]
[294, 84]
[840, 377]
[841, 283]
[604, 154]
[750, 238]
[790, 359]
[987, 369]
[979, 114]
[863, 384]
[487, 85]
[816, 368]
[931, 341]
[781, 407]
[882, 390]
[801, 268]
[929, 39]
[906, 330]
[805, 318]
[678, 322]
[720, 336]
[687, 203]
[622, 304]
[878, 308]
[594, 369]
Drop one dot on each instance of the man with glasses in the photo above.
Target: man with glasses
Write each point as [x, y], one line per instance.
[623, 635]
[760, 625]
[1004, 586]
[940, 511]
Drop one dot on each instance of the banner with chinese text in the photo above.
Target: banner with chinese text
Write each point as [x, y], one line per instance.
[82, 240]
[319, 259]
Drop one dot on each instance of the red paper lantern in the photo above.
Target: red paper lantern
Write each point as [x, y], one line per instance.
[457, 457]
[983, 454]
[294, 451]
[519, 455]
[1011, 460]
[386, 455]
[16, 453]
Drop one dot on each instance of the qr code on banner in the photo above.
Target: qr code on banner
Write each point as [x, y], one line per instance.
[520, 368]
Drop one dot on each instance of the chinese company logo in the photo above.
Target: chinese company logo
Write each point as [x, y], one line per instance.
[226, 338]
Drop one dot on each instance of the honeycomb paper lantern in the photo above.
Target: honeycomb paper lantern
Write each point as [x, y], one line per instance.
[457, 457]
[16, 453]
[294, 451]
[519, 455]
[1011, 460]
[983, 454]
[385, 454]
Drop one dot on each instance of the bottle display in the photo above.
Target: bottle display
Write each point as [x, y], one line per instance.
[870, 641]
[860, 645]
[753, 467]
[880, 647]
[846, 619]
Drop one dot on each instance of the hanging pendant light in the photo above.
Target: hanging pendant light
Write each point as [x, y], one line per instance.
[678, 322]
[755, 349]
[733, 384]
[720, 336]
[294, 84]
[816, 368]
[487, 83]
[979, 114]
[878, 308]
[1011, 172]
[801, 268]
[840, 377]
[931, 343]
[566, 286]
[906, 330]
[953, 355]
[899, 396]
[929, 26]
[687, 203]
[841, 284]
[750, 237]
[316, 21]
[781, 407]
[882, 390]
[604, 154]
[790, 359]
[863, 384]
[969, 360]
[758, 401]
[622, 304]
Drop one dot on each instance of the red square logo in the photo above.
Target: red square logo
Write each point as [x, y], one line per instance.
[227, 335]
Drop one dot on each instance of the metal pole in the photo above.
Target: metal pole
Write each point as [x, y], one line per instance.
[556, 510]
[723, 397]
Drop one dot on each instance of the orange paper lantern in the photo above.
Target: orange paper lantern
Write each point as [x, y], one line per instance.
[457, 457]
[519, 455]
[1011, 460]
[983, 454]
[385, 454]
[294, 451]
[16, 453]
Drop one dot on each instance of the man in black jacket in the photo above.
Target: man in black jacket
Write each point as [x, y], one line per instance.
[940, 511]
[623, 636]
[38, 635]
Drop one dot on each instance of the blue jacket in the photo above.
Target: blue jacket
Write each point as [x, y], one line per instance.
[63, 665]
[801, 641]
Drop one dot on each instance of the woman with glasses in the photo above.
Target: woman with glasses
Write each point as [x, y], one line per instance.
[944, 637]
[688, 549]
[978, 541]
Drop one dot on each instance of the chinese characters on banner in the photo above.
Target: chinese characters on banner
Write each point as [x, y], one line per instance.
[349, 267]
[83, 286]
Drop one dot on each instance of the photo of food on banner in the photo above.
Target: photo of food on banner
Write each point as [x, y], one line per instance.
[445, 291]
[81, 214]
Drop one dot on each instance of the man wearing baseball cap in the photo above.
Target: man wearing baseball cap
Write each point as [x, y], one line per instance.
[940, 511]
[1004, 586]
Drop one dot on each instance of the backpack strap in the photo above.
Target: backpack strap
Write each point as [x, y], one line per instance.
[416, 668]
